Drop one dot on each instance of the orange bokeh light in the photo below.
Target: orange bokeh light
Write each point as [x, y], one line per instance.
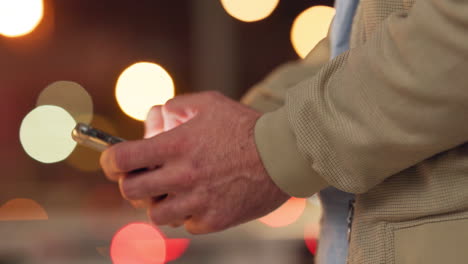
[141, 243]
[22, 210]
[249, 11]
[285, 215]
[310, 27]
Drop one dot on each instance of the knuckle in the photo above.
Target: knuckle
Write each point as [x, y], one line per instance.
[205, 226]
[182, 142]
[187, 177]
[175, 224]
[105, 159]
[120, 159]
[155, 108]
[107, 165]
[212, 94]
[156, 216]
[170, 103]
[214, 225]
[126, 190]
[196, 164]
[150, 187]
[195, 229]
[194, 204]
[113, 159]
[175, 146]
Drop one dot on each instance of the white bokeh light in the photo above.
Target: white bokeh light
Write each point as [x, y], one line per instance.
[45, 134]
[20, 17]
[141, 86]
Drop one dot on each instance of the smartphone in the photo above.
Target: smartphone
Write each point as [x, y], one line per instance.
[93, 138]
[96, 139]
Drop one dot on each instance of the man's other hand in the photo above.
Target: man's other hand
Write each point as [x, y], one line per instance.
[202, 154]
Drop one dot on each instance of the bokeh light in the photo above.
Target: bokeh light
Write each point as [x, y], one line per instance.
[286, 214]
[45, 134]
[141, 86]
[20, 17]
[248, 10]
[310, 27]
[175, 248]
[22, 210]
[138, 243]
[70, 96]
[311, 235]
[86, 159]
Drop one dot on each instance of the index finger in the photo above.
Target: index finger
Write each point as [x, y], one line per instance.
[130, 156]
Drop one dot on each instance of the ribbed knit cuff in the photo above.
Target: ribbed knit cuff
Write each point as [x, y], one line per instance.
[277, 146]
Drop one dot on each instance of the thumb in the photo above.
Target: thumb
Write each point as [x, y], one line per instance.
[185, 107]
[154, 123]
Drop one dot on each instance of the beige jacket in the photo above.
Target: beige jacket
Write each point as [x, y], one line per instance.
[387, 120]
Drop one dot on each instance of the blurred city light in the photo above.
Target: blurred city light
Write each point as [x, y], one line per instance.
[22, 210]
[310, 27]
[286, 214]
[141, 86]
[175, 248]
[70, 96]
[20, 17]
[311, 235]
[138, 243]
[248, 10]
[45, 134]
[87, 159]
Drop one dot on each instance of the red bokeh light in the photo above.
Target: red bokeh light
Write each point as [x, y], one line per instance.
[311, 234]
[138, 243]
[141, 243]
[175, 248]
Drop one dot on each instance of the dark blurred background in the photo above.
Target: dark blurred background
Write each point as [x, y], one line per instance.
[91, 42]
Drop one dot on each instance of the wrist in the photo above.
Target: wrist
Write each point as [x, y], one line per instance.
[277, 147]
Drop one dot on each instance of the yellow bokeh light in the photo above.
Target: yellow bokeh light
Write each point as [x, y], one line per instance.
[45, 134]
[70, 96]
[310, 27]
[20, 17]
[249, 10]
[141, 86]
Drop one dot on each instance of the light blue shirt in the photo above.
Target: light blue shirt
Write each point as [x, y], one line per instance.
[333, 243]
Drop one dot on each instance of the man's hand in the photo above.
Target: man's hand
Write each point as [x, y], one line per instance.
[206, 161]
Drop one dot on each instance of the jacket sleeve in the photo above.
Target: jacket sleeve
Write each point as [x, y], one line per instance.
[269, 95]
[376, 110]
